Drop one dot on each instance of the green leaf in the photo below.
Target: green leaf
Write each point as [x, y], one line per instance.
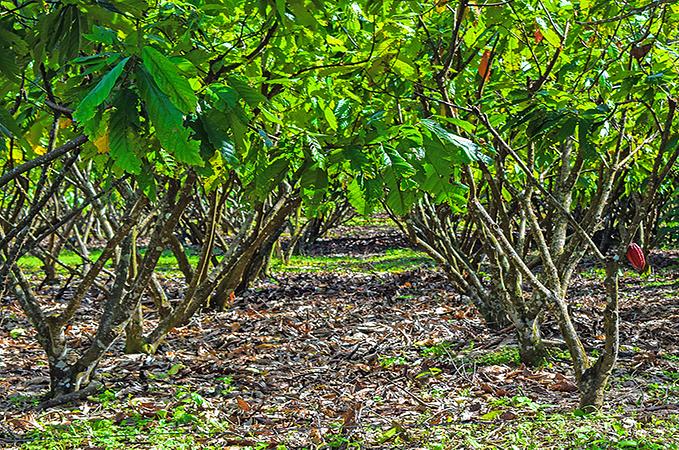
[251, 95]
[392, 158]
[168, 79]
[550, 36]
[356, 197]
[492, 415]
[121, 135]
[672, 143]
[168, 122]
[314, 178]
[101, 35]
[467, 151]
[400, 201]
[87, 108]
[228, 96]
[317, 154]
[466, 126]
[269, 176]
[214, 123]
[271, 116]
[404, 69]
[435, 183]
[390, 433]
[135, 7]
[584, 131]
[10, 128]
[147, 183]
[330, 118]
[174, 370]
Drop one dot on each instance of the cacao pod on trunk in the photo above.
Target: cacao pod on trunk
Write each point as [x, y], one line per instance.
[635, 256]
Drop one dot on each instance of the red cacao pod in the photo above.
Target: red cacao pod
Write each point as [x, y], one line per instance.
[635, 256]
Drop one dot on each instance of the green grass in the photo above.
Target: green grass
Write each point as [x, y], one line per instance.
[661, 283]
[166, 262]
[370, 221]
[562, 431]
[504, 355]
[104, 433]
[513, 424]
[68, 258]
[443, 350]
[393, 261]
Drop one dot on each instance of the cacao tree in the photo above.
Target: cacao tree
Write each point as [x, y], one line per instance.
[530, 114]
[130, 119]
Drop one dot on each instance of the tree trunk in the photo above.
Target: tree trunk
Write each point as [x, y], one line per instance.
[309, 236]
[532, 350]
[135, 327]
[592, 386]
[259, 264]
[492, 311]
[66, 380]
[593, 381]
[134, 332]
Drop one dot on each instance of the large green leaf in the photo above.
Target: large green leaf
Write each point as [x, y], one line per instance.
[168, 79]
[215, 124]
[356, 197]
[400, 202]
[251, 95]
[87, 108]
[269, 175]
[392, 158]
[466, 150]
[121, 135]
[168, 122]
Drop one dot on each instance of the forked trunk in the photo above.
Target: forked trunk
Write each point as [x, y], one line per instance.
[63, 380]
[70, 382]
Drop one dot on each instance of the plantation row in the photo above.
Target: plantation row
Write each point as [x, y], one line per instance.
[508, 141]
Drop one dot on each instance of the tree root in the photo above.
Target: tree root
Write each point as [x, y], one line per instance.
[91, 388]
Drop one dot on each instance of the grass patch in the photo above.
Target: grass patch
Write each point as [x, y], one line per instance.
[444, 350]
[370, 221]
[393, 261]
[104, 433]
[504, 355]
[67, 258]
[516, 423]
[662, 283]
[559, 431]
[166, 262]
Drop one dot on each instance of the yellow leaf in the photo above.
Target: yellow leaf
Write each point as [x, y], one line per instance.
[101, 143]
[15, 156]
[334, 41]
[65, 123]
[39, 149]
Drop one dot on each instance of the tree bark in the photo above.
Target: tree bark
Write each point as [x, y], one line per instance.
[593, 381]
[532, 350]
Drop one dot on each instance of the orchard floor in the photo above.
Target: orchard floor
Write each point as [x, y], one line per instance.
[362, 345]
